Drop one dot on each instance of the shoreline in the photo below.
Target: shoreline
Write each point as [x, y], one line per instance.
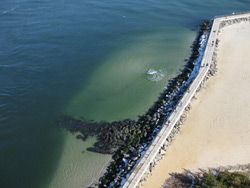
[141, 141]
[218, 144]
[127, 157]
[172, 124]
[136, 137]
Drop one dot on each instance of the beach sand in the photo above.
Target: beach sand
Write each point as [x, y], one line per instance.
[217, 130]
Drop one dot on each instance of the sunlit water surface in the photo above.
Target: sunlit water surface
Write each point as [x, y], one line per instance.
[101, 60]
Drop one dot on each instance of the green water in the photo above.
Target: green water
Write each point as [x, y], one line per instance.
[84, 58]
[112, 93]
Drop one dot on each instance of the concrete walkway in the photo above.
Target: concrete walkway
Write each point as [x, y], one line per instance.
[153, 150]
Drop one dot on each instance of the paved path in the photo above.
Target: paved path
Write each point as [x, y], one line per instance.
[167, 128]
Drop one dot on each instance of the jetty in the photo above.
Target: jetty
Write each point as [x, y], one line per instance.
[158, 145]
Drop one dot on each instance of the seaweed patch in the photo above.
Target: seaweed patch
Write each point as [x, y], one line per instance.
[128, 140]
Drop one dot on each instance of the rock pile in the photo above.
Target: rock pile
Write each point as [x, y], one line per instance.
[211, 72]
[128, 140]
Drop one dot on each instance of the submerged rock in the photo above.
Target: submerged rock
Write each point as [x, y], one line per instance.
[128, 139]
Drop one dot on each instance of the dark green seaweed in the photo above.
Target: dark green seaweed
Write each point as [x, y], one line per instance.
[126, 139]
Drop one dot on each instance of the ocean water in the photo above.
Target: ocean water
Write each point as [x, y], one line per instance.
[101, 60]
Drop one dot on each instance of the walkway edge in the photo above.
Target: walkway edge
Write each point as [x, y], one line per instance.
[146, 162]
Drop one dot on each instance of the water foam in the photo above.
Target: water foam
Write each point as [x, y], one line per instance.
[155, 75]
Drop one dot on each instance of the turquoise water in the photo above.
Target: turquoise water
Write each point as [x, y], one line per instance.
[85, 58]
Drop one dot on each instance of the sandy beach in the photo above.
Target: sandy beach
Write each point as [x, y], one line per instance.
[217, 130]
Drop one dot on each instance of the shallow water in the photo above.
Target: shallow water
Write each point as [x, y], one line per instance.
[85, 58]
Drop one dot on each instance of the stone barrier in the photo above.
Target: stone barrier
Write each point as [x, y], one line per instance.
[172, 125]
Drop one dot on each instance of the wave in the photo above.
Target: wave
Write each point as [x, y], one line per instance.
[8, 11]
[155, 75]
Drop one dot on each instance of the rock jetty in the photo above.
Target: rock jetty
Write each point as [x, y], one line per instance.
[128, 140]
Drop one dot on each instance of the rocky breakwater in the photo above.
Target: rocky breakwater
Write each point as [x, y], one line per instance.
[128, 140]
[212, 69]
[211, 72]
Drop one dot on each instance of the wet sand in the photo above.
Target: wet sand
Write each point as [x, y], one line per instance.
[217, 130]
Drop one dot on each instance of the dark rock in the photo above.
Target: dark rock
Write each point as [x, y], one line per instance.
[100, 151]
[131, 134]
